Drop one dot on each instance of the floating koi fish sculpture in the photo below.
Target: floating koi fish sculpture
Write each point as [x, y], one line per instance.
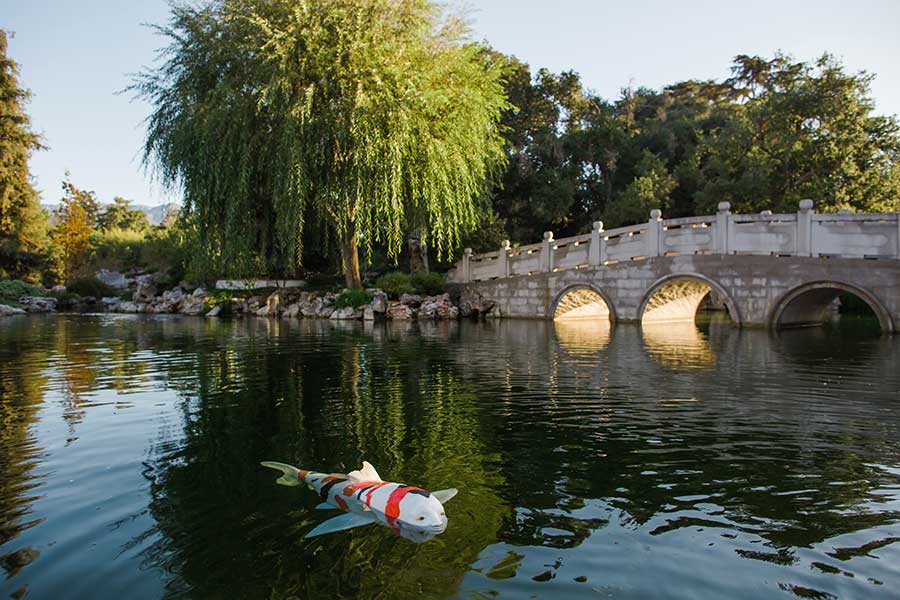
[411, 512]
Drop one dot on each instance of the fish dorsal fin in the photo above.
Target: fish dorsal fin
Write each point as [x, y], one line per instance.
[445, 495]
[366, 473]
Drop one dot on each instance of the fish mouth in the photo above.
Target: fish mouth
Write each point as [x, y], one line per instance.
[423, 531]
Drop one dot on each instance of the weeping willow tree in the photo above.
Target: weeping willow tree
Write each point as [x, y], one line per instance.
[377, 117]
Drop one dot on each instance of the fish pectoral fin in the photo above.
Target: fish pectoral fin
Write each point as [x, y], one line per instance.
[325, 506]
[366, 473]
[289, 477]
[445, 495]
[340, 523]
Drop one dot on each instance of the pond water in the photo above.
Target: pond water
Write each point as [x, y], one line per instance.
[677, 461]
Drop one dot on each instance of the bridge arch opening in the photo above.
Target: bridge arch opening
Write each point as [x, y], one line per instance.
[821, 302]
[580, 303]
[677, 298]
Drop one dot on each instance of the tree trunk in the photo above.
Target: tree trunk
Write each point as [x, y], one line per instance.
[350, 258]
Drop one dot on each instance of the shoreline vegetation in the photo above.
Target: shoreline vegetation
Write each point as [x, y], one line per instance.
[462, 147]
[396, 296]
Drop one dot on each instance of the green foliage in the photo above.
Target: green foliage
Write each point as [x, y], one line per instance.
[775, 132]
[378, 116]
[353, 298]
[88, 286]
[428, 284]
[118, 249]
[120, 215]
[24, 227]
[13, 289]
[395, 283]
[169, 250]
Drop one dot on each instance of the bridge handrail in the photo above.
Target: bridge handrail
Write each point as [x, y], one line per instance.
[804, 233]
[612, 233]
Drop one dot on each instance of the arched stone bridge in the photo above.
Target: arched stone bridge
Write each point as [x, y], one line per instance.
[768, 269]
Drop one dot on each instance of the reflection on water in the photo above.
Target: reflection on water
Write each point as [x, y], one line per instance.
[582, 337]
[614, 461]
[678, 345]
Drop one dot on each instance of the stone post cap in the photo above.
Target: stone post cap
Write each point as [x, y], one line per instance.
[467, 252]
[655, 214]
[806, 205]
[598, 225]
[504, 245]
[766, 213]
[548, 236]
[724, 206]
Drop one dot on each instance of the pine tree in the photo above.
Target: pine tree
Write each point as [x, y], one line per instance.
[23, 225]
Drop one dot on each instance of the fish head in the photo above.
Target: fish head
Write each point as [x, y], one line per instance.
[421, 512]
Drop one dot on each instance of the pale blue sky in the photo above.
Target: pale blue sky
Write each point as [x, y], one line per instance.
[76, 54]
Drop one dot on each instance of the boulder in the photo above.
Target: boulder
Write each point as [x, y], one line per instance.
[190, 305]
[291, 312]
[216, 310]
[109, 302]
[326, 307]
[473, 304]
[6, 310]
[173, 296]
[113, 279]
[379, 302]
[58, 289]
[85, 304]
[401, 312]
[146, 279]
[199, 293]
[129, 307]
[346, 313]
[310, 308]
[438, 307]
[263, 312]
[144, 292]
[37, 304]
[413, 300]
[195, 309]
[368, 313]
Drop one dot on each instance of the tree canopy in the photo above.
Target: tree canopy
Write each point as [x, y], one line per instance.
[378, 118]
[23, 225]
[773, 133]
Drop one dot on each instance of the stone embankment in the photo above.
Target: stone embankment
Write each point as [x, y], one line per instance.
[282, 303]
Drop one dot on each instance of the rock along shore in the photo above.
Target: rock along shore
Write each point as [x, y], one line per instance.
[282, 303]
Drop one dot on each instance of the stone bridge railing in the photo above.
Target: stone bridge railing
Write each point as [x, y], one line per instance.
[804, 233]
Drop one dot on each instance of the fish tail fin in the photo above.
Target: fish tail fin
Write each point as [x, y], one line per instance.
[291, 476]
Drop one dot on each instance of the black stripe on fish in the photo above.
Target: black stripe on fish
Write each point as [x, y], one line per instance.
[419, 492]
[327, 488]
[360, 492]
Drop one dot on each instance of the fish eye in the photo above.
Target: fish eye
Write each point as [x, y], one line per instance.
[421, 518]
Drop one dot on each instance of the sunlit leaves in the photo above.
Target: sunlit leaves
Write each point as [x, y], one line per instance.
[379, 115]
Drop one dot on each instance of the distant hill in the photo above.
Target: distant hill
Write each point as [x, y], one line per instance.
[155, 214]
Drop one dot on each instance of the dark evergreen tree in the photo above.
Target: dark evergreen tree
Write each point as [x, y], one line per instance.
[23, 225]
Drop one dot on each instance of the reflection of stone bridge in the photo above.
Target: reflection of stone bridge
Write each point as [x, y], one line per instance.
[767, 269]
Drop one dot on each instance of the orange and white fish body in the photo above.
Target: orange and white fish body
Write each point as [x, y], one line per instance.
[410, 512]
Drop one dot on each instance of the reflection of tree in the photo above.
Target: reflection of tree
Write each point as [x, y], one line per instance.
[21, 394]
[342, 398]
